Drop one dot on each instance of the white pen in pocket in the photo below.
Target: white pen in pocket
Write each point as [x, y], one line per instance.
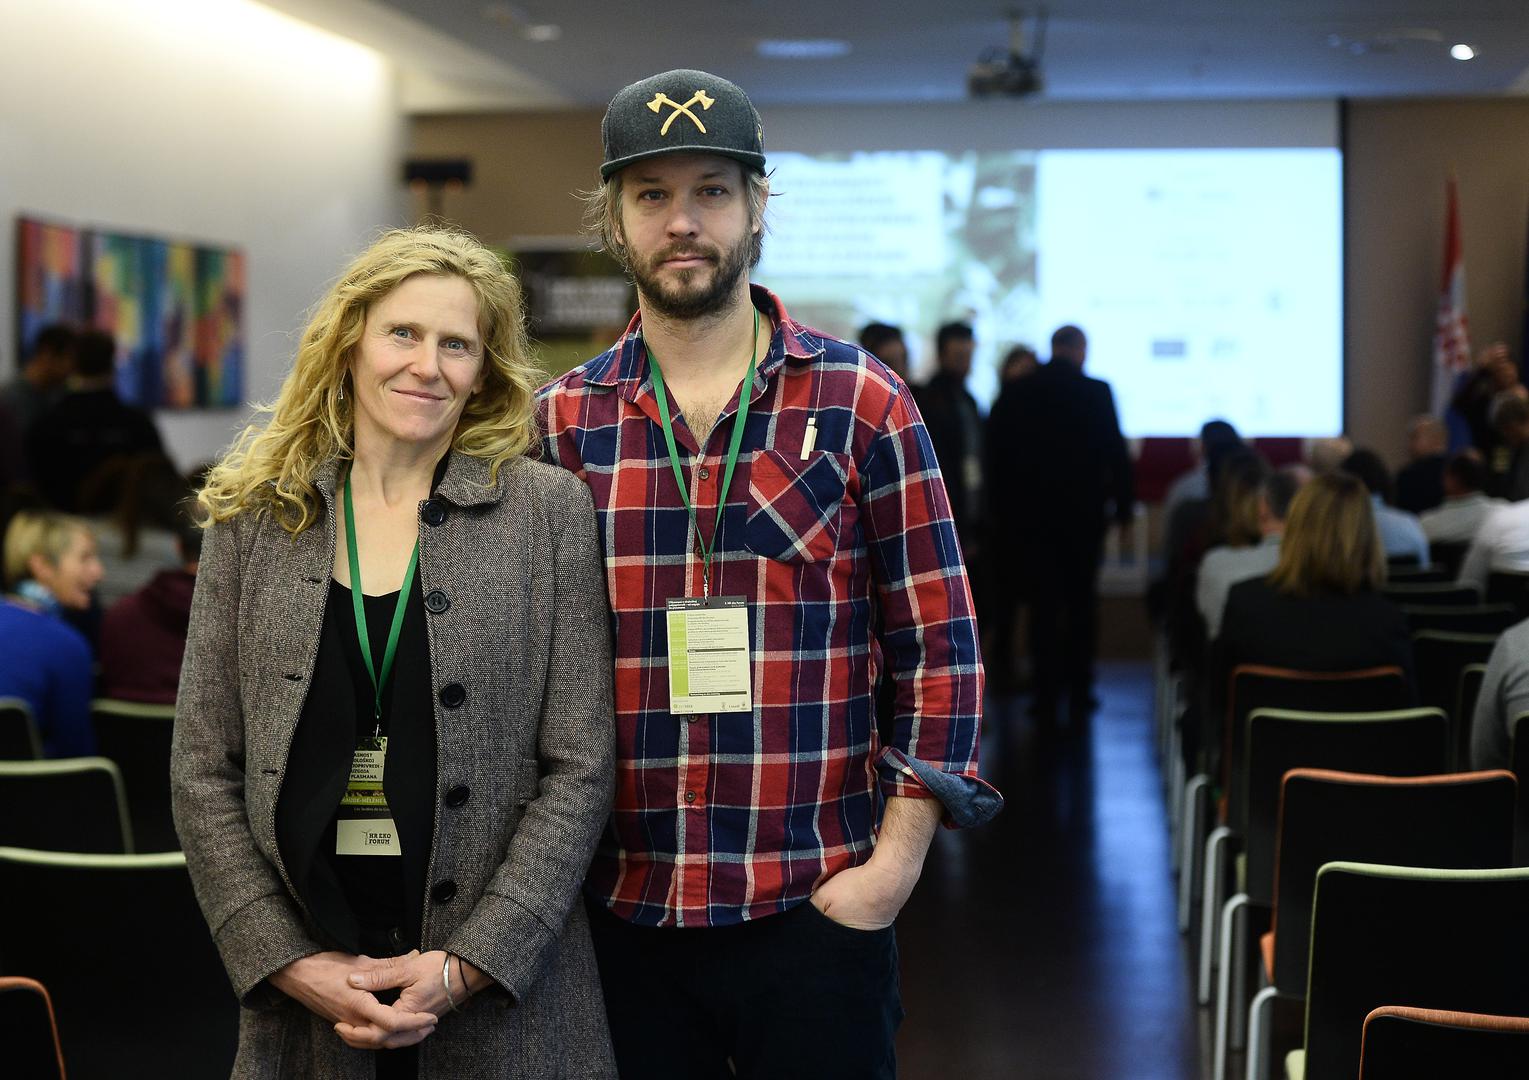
[810, 436]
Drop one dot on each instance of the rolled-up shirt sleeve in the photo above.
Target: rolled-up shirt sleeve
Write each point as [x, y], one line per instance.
[929, 631]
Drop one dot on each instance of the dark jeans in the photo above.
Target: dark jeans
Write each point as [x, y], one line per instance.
[791, 996]
[1063, 584]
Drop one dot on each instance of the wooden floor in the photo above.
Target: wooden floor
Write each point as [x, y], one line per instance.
[1044, 944]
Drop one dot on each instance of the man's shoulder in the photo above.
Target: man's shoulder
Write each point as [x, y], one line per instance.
[580, 378]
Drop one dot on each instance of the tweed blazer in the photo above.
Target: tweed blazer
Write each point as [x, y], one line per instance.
[519, 644]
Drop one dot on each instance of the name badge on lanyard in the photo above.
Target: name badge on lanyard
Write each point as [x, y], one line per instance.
[364, 824]
[709, 666]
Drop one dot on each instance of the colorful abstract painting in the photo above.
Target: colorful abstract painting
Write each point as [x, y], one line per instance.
[175, 309]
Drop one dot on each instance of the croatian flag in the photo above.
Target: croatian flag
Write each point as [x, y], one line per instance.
[1451, 338]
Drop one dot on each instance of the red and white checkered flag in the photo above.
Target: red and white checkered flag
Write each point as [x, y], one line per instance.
[1451, 337]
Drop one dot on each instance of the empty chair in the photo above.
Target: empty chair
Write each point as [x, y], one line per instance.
[1456, 820]
[1471, 619]
[1509, 587]
[19, 740]
[28, 1032]
[137, 738]
[1439, 656]
[1520, 765]
[1447, 555]
[1439, 939]
[1417, 575]
[75, 804]
[1466, 696]
[1445, 593]
[121, 945]
[1403, 1043]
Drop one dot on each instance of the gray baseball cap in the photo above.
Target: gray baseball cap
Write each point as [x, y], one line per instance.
[681, 112]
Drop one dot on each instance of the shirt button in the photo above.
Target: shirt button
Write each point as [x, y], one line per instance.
[434, 512]
[458, 795]
[452, 695]
[705, 473]
[436, 601]
[690, 796]
[444, 891]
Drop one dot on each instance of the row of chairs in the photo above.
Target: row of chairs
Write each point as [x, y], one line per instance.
[126, 788]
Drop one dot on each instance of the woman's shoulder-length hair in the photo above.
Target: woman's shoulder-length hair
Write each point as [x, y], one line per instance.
[272, 465]
[1330, 544]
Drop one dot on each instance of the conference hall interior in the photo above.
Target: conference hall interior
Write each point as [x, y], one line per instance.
[1213, 316]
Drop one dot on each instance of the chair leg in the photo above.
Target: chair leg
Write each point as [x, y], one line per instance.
[1196, 811]
[1260, 1019]
[1175, 771]
[1210, 907]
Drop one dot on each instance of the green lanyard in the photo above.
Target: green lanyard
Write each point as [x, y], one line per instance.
[365, 640]
[745, 391]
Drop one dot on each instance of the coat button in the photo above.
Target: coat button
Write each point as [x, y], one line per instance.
[436, 601]
[444, 891]
[458, 795]
[434, 512]
[452, 695]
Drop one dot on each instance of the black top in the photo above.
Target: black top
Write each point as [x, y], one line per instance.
[1420, 485]
[368, 903]
[955, 429]
[87, 428]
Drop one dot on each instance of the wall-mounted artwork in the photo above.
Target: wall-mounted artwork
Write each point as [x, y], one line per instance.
[175, 309]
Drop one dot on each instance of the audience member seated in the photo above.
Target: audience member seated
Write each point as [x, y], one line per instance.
[1466, 505]
[50, 566]
[1229, 564]
[1321, 608]
[133, 506]
[1492, 380]
[1401, 534]
[1508, 465]
[1420, 483]
[1504, 696]
[1195, 484]
[143, 635]
[88, 426]
[1327, 455]
[41, 379]
[1502, 543]
[886, 344]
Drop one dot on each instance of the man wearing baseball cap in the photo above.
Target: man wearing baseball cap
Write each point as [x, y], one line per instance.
[763, 492]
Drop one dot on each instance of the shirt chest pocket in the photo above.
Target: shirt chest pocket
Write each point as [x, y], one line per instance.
[795, 506]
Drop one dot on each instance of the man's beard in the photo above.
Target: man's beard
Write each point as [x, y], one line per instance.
[683, 295]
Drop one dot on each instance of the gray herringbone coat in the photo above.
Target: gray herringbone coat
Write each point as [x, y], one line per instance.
[526, 633]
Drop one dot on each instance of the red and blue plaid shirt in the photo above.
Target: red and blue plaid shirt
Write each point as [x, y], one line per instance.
[724, 818]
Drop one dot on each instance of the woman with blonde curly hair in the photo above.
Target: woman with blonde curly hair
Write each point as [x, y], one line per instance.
[393, 741]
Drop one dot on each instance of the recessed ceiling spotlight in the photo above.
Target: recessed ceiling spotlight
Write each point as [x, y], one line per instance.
[802, 48]
[1462, 52]
[542, 32]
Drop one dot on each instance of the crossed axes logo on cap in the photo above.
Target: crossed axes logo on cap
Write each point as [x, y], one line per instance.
[699, 97]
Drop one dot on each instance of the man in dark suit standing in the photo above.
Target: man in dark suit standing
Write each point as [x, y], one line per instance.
[1057, 472]
[955, 428]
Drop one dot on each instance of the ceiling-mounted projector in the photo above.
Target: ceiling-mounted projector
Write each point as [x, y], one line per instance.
[1011, 73]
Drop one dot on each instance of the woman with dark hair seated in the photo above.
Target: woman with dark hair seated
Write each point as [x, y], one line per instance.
[1321, 608]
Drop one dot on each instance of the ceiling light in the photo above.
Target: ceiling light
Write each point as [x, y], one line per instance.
[802, 49]
[1462, 52]
[542, 32]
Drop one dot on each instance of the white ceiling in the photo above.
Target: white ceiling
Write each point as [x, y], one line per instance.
[482, 53]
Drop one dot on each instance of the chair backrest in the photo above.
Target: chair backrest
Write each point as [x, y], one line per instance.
[1404, 742]
[69, 917]
[1403, 1043]
[1256, 686]
[1470, 619]
[19, 740]
[137, 738]
[1438, 939]
[1458, 820]
[1445, 592]
[1402, 562]
[1509, 587]
[1417, 575]
[1448, 555]
[1519, 763]
[28, 1031]
[72, 804]
[1438, 658]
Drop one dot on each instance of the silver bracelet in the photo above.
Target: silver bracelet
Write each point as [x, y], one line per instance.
[446, 982]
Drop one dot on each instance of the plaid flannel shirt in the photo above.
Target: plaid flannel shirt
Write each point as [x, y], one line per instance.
[724, 818]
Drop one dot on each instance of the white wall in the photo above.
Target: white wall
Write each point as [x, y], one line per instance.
[219, 121]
